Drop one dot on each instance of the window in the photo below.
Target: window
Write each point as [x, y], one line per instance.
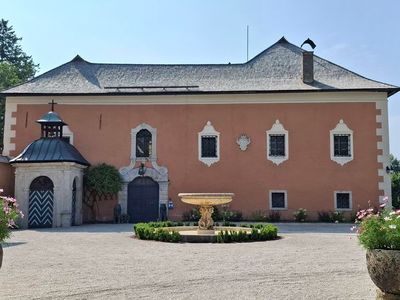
[278, 200]
[208, 144]
[143, 143]
[277, 143]
[341, 144]
[343, 200]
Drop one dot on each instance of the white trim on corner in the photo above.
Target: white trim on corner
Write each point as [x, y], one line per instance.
[270, 200]
[384, 185]
[153, 154]
[277, 128]
[9, 133]
[350, 201]
[209, 131]
[341, 128]
[68, 133]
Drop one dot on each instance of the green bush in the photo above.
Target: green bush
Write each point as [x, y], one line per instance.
[259, 216]
[324, 216]
[274, 216]
[300, 215]
[155, 231]
[259, 232]
[192, 215]
[337, 217]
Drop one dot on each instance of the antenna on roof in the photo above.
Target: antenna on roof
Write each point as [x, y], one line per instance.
[247, 42]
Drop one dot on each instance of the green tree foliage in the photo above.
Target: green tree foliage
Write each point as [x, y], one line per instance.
[15, 65]
[102, 182]
[394, 163]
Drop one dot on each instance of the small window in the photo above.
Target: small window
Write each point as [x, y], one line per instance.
[277, 145]
[278, 200]
[208, 146]
[343, 201]
[342, 145]
[143, 143]
[208, 143]
[66, 139]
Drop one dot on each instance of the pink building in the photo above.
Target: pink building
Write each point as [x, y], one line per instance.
[283, 131]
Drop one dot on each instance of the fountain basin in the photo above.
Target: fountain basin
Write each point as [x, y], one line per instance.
[206, 199]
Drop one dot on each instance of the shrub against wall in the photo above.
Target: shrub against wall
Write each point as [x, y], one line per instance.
[101, 182]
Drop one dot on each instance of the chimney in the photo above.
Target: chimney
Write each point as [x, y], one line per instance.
[308, 67]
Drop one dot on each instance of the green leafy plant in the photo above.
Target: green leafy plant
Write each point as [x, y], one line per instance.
[101, 182]
[378, 229]
[157, 231]
[337, 217]
[324, 216]
[300, 215]
[9, 214]
[259, 216]
[259, 232]
[192, 215]
[274, 216]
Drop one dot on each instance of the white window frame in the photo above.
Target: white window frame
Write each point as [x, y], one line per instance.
[209, 131]
[341, 128]
[153, 155]
[68, 133]
[350, 200]
[270, 200]
[278, 129]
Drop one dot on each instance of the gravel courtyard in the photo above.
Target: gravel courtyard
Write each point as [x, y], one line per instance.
[311, 261]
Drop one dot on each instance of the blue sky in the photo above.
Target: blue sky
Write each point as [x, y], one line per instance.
[361, 35]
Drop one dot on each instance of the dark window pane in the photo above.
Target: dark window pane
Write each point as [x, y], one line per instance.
[208, 146]
[143, 143]
[342, 200]
[277, 145]
[278, 200]
[342, 145]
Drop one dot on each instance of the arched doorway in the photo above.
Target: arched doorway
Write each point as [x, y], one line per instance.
[41, 200]
[73, 209]
[143, 200]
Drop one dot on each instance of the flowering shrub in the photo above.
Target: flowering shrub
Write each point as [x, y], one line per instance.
[9, 213]
[300, 215]
[379, 229]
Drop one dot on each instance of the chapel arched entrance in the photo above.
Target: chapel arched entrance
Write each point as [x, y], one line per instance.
[41, 203]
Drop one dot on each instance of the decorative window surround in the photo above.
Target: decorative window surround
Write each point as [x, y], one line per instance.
[278, 129]
[9, 133]
[68, 133]
[153, 154]
[350, 200]
[382, 133]
[270, 200]
[341, 128]
[209, 131]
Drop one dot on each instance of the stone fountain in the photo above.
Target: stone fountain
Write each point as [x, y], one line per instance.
[206, 201]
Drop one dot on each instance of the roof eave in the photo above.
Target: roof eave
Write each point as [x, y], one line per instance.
[390, 91]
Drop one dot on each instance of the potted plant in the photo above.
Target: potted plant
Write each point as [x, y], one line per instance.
[9, 213]
[379, 233]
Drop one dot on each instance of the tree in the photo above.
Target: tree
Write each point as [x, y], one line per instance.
[15, 65]
[394, 163]
[101, 182]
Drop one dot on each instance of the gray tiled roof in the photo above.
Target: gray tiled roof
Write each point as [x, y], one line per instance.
[278, 68]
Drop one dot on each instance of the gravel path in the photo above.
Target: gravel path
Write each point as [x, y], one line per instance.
[311, 261]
